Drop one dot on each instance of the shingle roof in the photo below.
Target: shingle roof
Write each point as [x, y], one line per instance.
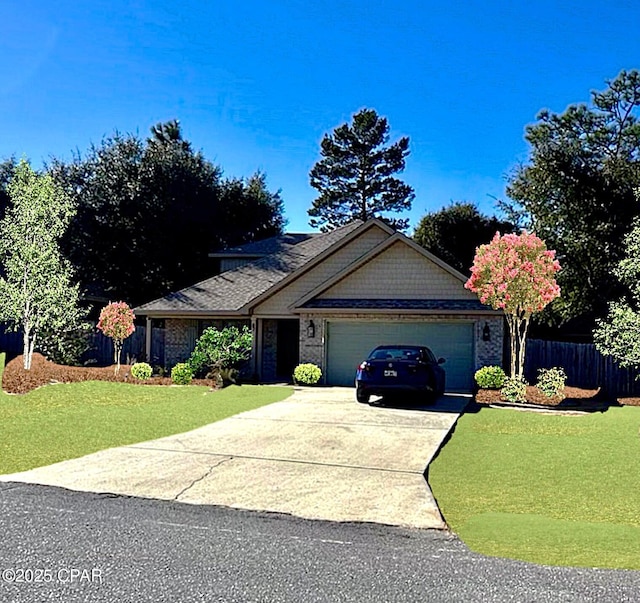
[398, 304]
[230, 291]
[266, 246]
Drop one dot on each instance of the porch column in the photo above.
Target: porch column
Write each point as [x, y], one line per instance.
[147, 342]
[256, 347]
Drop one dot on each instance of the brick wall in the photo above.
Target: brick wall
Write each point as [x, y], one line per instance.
[179, 340]
[312, 348]
[489, 352]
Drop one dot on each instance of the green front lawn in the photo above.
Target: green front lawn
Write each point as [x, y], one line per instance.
[59, 422]
[559, 490]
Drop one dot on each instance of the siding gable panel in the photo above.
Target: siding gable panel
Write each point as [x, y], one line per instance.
[279, 303]
[398, 272]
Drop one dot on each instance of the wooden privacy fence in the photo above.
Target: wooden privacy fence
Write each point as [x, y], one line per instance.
[10, 342]
[584, 365]
[100, 350]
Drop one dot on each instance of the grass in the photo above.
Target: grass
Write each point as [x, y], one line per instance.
[60, 422]
[551, 489]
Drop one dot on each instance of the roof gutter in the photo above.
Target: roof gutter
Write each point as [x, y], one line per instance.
[396, 311]
[188, 314]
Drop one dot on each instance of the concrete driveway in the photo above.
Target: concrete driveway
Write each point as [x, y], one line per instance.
[318, 454]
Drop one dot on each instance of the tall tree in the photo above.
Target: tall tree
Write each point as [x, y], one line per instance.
[105, 240]
[577, 191]
[182, 191]
[454, 232]
[36, 290]
[243, 197]
[149, 212]
[618, 335]
[355, 175]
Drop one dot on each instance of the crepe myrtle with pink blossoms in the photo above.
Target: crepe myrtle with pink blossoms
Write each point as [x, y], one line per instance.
[515, 273]
[116, 321]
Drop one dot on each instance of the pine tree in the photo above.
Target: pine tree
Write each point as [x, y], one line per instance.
[354, 176]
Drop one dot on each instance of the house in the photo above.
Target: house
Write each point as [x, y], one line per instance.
[330, 298]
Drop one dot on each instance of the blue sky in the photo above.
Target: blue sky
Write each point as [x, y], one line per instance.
[255, 85]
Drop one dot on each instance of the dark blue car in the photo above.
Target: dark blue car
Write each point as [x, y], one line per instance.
[400, 369]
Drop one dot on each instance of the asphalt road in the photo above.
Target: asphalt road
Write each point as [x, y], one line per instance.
[57, 545]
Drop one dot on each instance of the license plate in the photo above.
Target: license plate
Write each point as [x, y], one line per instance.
[391, 373]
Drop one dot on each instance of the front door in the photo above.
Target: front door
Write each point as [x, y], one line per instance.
[288, 348]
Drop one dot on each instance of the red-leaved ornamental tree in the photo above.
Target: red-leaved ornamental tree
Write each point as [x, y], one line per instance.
[515, 273]
[116, 321]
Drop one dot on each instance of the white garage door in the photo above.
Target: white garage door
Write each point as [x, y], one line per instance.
[349, 343]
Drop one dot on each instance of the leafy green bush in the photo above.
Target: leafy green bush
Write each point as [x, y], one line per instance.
[514, 389]
[66, 346]
[218, 349]
[141, 371]
[181, 374]
[551, 381]
[490, 377]
[307, 374]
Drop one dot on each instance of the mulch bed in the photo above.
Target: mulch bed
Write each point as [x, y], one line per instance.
[574, 397]
[629, 401]
[16, 380]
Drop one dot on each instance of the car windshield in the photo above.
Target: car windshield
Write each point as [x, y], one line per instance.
[395, 354]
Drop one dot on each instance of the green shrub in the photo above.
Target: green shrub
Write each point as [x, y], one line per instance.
[307, 374]
[66, 347]
[490, 377]
[514, 389]
[551, 381]
[218, 349]
[181, 374]
[141, 371]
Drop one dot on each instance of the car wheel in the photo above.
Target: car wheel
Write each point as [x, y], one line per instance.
[361, 396]
[433, 393]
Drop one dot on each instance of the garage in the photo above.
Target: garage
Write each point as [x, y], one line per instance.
[349, 342]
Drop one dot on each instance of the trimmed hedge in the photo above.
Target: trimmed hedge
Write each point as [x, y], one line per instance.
[141, 371]
[490, 377]
[307, 374]
[181, 374]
